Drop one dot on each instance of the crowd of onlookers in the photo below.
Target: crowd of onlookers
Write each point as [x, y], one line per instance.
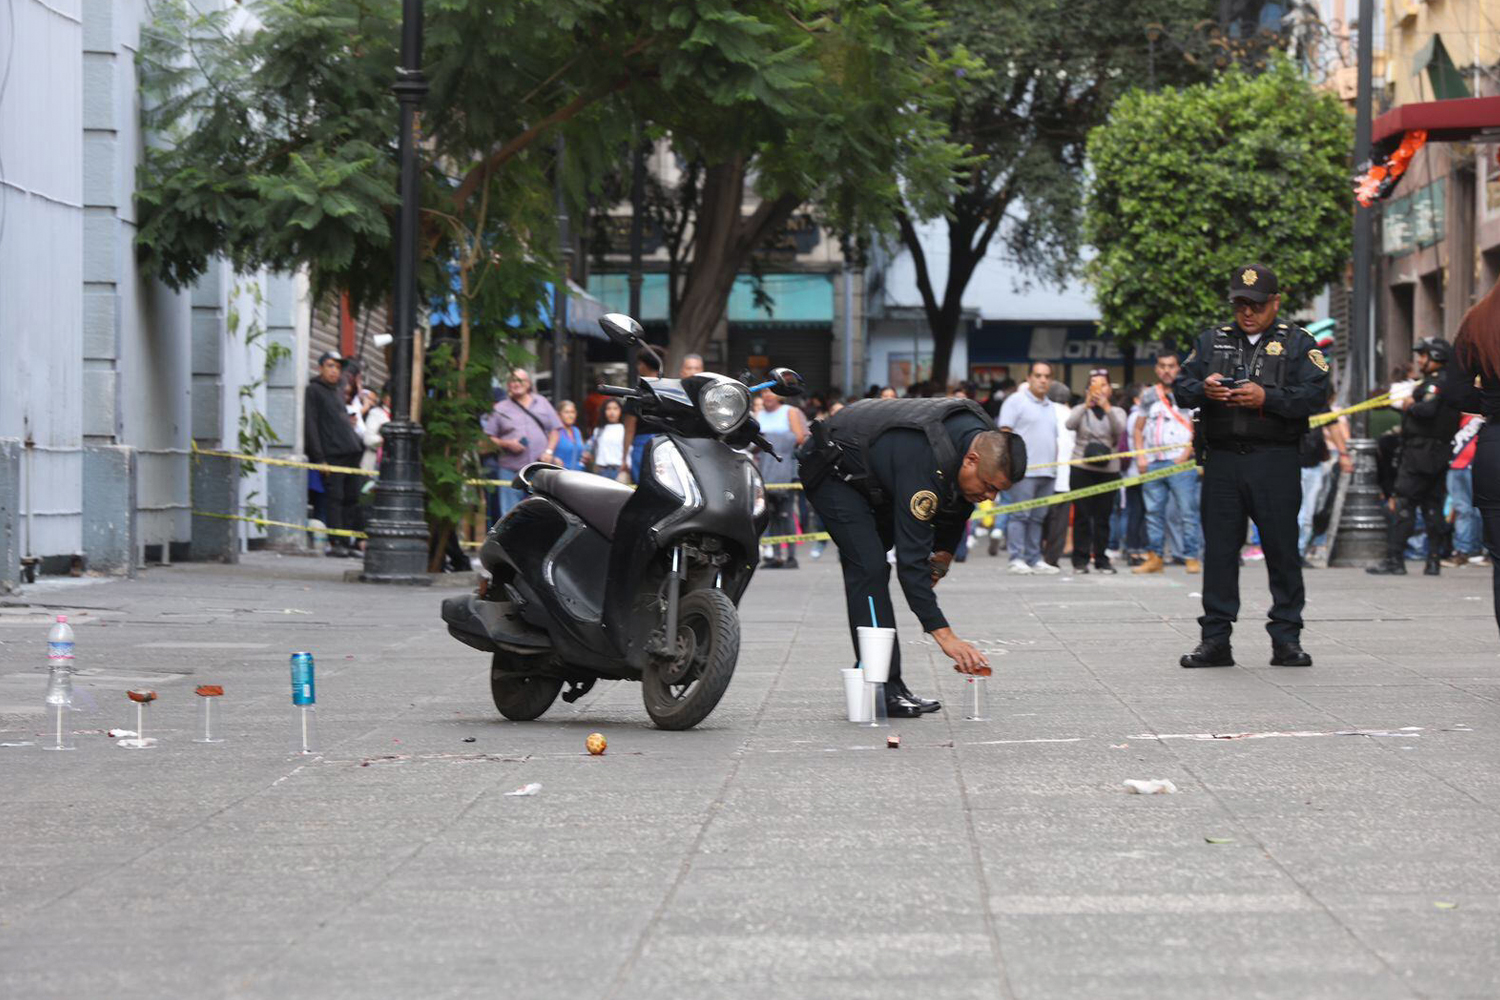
[1144, 528]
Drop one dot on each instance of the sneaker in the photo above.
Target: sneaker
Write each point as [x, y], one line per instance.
[817, 552]
[1253, 552]
[1152, 564]
[996, 537]
[1019, 568]
[1113, 555]
[1477, 561]
[1045, 569]
[1104, 567]
[1080, 568]
[1193, 565]
[981, 531]
[791, 562]
[1454, 562]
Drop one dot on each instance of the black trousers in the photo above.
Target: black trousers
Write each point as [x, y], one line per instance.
[1091, 517]
[342, 491]
[1055, 531]
[863, 539]
[1264, 486]
[1424, 490]
[1486, 467]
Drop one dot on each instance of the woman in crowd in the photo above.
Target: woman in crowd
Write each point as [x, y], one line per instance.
[1472, 382]
[1097, 425]
[568, 452]
[606, 448]
[785, 428]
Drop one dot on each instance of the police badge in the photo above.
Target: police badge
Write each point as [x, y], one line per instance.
[1316, 357]
[1274, 348]
[924, 505]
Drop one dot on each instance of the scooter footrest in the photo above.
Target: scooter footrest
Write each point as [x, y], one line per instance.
[494, 623]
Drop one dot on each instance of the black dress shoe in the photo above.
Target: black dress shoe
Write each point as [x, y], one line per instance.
[925, 704]
[1289, 654]
[772, 564]
[1208, 654]
[897, 707]
[1434, 566]
[1080, 569]
[791, 563]
[1391, 567]
[1104, 567]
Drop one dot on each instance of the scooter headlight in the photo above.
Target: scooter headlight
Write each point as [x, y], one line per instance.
[724, 405]
[671, 470]
[757, 493]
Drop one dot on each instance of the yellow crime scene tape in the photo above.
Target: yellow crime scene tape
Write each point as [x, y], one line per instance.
[814, 536]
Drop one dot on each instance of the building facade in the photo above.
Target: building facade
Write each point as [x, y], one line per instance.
[110, 379]
[1440, 230]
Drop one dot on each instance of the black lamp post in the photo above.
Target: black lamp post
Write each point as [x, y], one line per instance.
[397, 549]
[1362, 523]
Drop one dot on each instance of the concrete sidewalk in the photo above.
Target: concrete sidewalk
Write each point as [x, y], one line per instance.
[774, 851]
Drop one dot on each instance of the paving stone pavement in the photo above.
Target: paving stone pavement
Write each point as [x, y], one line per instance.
[774, 851]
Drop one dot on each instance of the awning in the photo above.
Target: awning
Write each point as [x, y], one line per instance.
[1465, 120]
[1447, 82]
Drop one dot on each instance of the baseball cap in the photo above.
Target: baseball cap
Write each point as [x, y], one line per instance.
[327, 355]
[1255, 282]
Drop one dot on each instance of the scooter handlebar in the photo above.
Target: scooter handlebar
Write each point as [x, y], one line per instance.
[615, 390]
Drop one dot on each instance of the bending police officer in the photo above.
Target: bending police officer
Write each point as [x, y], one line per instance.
[905, 473]
[1427, 431]
[1257, 380]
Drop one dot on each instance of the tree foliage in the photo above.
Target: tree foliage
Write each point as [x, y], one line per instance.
[1189, 184]
[1048, 72]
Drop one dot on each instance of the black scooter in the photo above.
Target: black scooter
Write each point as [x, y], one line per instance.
[589, 578]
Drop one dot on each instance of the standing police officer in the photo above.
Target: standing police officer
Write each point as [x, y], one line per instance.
[905, 473]
[1427, 431]
[1256, 381]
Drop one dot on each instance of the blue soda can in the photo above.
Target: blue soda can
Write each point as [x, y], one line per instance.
[303, 690]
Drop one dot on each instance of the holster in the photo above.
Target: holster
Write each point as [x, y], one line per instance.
[818, 456]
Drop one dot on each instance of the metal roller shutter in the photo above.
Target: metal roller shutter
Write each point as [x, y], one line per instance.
[808, 350]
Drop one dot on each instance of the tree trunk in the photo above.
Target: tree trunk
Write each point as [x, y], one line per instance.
[723, 244]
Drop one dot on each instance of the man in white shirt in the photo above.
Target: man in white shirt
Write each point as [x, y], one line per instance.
[1162, 422]
[1029, 413]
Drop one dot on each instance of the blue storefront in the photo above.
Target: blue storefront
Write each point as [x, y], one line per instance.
[1000, 349]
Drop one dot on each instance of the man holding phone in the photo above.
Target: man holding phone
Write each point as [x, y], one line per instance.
[1257, 381]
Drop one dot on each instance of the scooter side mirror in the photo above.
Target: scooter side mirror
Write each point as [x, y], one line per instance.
[788, 382]
[621, 329]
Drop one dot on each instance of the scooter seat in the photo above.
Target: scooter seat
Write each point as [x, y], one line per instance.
[594, 498]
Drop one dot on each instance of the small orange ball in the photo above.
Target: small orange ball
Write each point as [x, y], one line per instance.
[595, 743]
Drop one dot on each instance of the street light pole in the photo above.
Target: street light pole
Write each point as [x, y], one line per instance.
[397, 548]
[561, 384]
[1362, 522]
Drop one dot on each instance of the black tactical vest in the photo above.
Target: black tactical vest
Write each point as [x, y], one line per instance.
[1441, 427]
[854, 428]
[1264, 363]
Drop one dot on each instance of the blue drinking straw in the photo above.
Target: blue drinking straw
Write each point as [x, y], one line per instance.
[873, 622]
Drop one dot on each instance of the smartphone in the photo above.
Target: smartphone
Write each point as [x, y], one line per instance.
[1234, 383]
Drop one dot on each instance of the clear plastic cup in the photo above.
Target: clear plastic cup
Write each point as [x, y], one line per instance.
[210, 713]
[976, 698]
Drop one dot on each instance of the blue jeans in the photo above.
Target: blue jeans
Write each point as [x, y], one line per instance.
[1183, 492]
[1312, 489]
[1024, 529]
[1466, 522]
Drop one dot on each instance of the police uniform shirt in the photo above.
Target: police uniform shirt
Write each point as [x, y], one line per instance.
[1284, 360]
[902, 463]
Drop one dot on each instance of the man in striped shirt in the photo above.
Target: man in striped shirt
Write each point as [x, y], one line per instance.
[1162, 423]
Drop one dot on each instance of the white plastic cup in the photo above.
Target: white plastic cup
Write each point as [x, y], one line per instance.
[875, 648]
[855, 705]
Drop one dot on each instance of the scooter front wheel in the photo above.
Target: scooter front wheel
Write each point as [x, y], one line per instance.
[681, 693]
[521, 697]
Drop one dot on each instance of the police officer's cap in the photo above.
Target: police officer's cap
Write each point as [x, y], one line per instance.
[1254, 282]
[1435, 348]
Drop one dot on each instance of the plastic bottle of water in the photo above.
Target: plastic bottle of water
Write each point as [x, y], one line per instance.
[60, 663]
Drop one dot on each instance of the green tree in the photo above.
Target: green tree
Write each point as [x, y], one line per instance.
[275, 144]
[1189, 184]
[1051, 71]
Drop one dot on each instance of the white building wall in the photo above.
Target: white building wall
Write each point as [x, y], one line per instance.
[41, 261]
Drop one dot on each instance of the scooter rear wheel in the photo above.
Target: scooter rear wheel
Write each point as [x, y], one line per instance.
[521, 697]
[680, 695]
